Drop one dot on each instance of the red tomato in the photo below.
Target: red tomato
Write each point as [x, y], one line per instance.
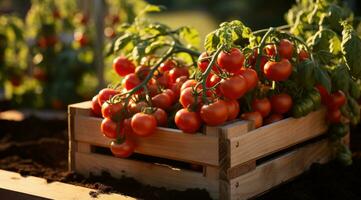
[171, 94]
[162, 100]
[333, 116]
[233, 109]
[142, 71]
[122, 150]
[81, 38]
[273, 118]
[127, 127]
[203, 64]
[187, 121]
[130, 81]
[109, 128]
[137, 107]
[105, 94]
[337, 99]
[325, 96]
[233, 87]
[214, 114]
[231, 61]
[256, 117]
[263, 106]
[189, 83]
[96, 109]
[178, 72]
[111, 111]
[176, 87]
[278, 71]
[270, 50]
[285, 49]
[123, 66]
[303, 55]
[251, 77]
[161, 117]
[167, 66]
[281, 103]
[164, 79]
[187, 98]
[143, 124]
[213, 80]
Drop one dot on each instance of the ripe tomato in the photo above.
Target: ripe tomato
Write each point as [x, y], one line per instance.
[176, 87]
[187, 121]
[213, 80]
[105, 94]
[273, 118]
[109, 128]
[214, 114]
[203, 64]
[303, 55]
[263, 106]
[152, 89]
[164, 79]
[96, 109]
[233, 87]
[122, 150]
[251, 77]
[231, 61]
[111, 111]
[337, 99]
[281, 103]
[161, 117]
[256, 117]
[127, 127]
[189, 83]
[162, 100]
[167, 66]
[325, 96]
[171, 94]
[285, 49]
[187, 98]
[137, 107]
[143, 124]
[178, 72]
[233, 109]
[278, 71]
[333, 116]
[142, 71]
[270, 50]
[130, 81]
[39, 74]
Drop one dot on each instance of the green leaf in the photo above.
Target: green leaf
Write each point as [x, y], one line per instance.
[355, 91]
[211, 41]
[122, 41]
[190, 36]
[323, 78]
[340, 78]
[351, 49]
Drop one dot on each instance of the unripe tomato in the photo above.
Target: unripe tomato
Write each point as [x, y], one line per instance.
[214, 114]
[178, 72]
[285, 49]
[187, 121]
[123, 66]
[109, 128]
[281, 103]
[161, 117]
[273, 118]
[256, 117]
[231, 61]
[251, 77]
[130, 81]
[278, 71]
[96, 109]
[122, 150]
[263, 106]
[111, 111]
[105, 94]
[233, 109]
[234, 87]
[143, 124]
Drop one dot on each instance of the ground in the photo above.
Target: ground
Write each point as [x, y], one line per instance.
[39, 148]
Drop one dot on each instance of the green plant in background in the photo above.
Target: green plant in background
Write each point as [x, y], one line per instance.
[333, 33]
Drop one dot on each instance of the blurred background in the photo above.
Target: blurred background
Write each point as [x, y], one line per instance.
[51, 52]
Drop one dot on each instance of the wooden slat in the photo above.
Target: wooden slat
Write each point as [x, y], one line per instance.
[38, 187]
[83, 147]
[147, 173]
[72, 143]
[165, 143]
[279, 170]
[275, 137]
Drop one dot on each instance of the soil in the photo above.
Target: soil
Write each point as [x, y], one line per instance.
[39, 148]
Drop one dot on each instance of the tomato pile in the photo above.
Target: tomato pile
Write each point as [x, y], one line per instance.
[262, 76]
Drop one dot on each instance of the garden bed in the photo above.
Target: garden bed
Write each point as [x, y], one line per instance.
[20, 147]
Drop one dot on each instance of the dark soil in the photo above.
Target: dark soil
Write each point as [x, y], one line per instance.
[39, 148]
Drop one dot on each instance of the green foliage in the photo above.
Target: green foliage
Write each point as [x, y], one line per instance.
[351, 49]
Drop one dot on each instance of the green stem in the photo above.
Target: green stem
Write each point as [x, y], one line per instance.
[186, 50]
[207, 72]
[277, 28]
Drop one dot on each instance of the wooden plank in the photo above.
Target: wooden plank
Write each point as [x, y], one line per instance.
[275, 137]
[39, 187]
[165, 143]
[147, 173]
[279, 170]
[72, 143]
[83, 108]
[83, 147]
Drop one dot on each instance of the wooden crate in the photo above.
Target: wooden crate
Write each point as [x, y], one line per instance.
[236, 161]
